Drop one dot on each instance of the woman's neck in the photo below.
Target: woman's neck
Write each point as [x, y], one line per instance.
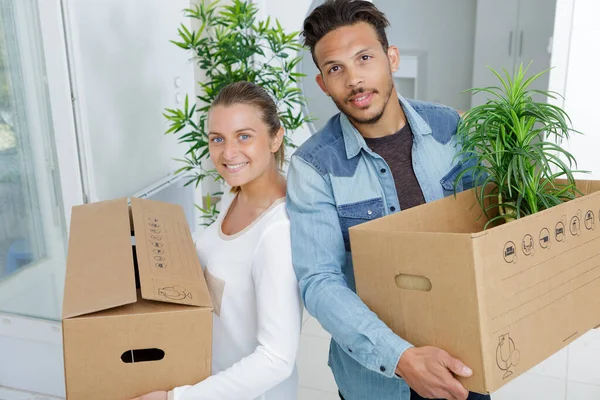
[264, 190]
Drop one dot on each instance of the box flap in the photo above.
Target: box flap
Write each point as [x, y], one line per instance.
[100, 272]
[141, 307]
[168, 265]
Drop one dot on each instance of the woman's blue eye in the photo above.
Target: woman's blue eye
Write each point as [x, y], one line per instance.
[217, 140]
[244, 137]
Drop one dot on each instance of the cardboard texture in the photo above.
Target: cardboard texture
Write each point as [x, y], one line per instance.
[501, 300]
[137, 316]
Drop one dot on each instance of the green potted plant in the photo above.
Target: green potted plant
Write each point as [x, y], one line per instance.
[231, 45]
[511, 146]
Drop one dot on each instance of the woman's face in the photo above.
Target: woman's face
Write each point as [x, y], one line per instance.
[240, 144]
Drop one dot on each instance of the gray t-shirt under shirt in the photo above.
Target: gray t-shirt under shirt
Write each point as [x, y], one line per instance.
[396, 150]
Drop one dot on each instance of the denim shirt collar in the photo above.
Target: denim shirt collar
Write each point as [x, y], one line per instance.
[354, 141]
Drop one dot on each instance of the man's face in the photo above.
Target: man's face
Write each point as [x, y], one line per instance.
[356, 72]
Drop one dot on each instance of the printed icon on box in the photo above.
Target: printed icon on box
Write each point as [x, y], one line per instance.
[507, 355]
[527, 245]
[158, 251]
[154, 225]
[559, 232]
[159, 258]
[156, 244]
[156, 237]
[575, 226]
[161, 265]
[157, 231]
[544, 238]
[174, 292]
[589, 221]
[153, 219]
[509, 252]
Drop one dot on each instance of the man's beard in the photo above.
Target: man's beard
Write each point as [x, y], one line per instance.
[375, 118]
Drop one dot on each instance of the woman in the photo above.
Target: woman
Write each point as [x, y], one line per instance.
[246, 254]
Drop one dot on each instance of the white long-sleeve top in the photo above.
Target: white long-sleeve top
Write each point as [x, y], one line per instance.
[257, 310]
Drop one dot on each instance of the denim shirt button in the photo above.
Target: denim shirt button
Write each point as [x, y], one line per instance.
[369, 212]
[349, 350]
[392, 208]
[383, 170]
[382, 368]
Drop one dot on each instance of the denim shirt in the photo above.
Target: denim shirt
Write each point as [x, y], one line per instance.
[334, 182]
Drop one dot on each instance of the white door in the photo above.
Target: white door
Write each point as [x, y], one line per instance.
[496, 35]
[536, 28]
[35, 190]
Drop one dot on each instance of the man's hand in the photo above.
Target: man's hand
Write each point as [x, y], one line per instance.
[429, 372]
[160, 395]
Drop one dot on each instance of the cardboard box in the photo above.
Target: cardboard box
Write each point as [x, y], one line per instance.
[501, 300]
[137, 315]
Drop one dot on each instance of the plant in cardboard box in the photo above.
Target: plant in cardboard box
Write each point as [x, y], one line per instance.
[231, 45]
[511, 146]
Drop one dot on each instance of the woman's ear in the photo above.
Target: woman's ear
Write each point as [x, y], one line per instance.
[277, 140]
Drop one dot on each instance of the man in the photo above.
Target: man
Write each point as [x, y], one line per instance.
[380, 155]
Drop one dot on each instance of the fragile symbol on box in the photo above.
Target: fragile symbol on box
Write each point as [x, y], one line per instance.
[507, 355]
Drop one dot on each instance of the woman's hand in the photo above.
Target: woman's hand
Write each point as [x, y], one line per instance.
[160, 395]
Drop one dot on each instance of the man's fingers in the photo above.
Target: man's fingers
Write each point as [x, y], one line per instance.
[457, 367]
[457, 390]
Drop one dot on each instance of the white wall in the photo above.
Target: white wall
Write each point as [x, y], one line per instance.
[445, 29]
[582, 84]
[290, 14]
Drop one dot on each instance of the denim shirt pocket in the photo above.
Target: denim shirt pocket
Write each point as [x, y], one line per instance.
[357, 213]
[447, 181]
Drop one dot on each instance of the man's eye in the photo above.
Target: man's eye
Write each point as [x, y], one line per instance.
[334, 69]
[365, 58]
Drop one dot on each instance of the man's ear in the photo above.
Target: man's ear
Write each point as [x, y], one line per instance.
[319, 79]
[393, 57]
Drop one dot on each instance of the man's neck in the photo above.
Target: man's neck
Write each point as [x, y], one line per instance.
[392, 120]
